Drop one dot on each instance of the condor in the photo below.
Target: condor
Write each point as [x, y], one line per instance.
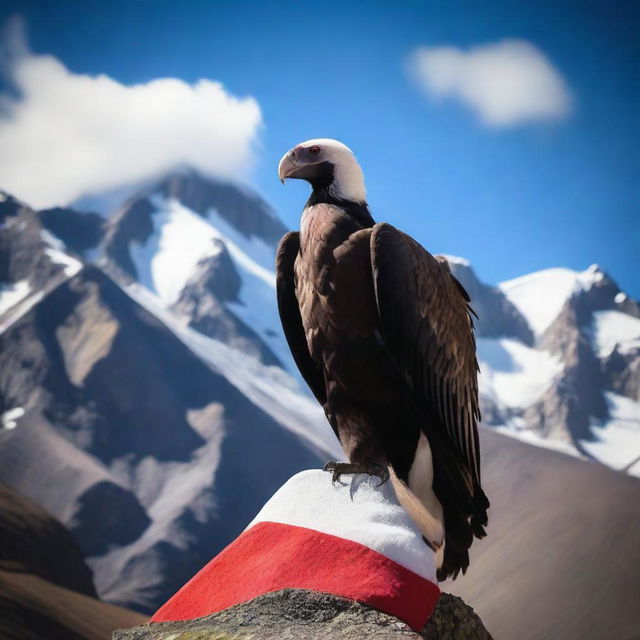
[383, 334]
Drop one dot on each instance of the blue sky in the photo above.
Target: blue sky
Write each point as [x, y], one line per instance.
[541, 193]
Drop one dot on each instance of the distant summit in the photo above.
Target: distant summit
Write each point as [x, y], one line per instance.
[559, 354]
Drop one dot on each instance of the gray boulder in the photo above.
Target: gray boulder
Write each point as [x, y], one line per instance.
[308, 615]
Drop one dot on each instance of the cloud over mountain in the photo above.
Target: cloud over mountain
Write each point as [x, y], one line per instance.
[505, 83]
[64, 134]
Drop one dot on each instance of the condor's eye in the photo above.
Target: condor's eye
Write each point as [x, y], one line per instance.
[314, 151]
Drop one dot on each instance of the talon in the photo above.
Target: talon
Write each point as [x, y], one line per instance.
[370, 468]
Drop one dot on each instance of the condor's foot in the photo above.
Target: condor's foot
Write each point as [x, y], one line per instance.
[372, 468]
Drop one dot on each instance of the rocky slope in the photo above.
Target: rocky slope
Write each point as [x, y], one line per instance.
[32, 261]
[150, 456]
[46, 589]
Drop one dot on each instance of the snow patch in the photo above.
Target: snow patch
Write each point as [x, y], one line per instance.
[456, 260]
[168, 258]
[71, 265]
[540, 296]
[620, 297]
[53, 241]
[17, 311]
[260, 251]
[617, 441]
[181, 238]
[634, 469]
[615, 328]
[10, 418]
[56, 251]
[512, 374]
[12, 294]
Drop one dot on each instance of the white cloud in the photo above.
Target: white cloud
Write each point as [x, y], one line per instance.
[67, 134]
[505, 83]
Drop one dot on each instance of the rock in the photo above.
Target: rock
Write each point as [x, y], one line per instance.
[622, 372]
[497, 316]
[132, 223]
[453, 619]
[309, 615]
[203, 299]
[79, 230]
[25, 253]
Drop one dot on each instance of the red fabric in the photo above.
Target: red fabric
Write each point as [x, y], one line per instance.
[272, 556]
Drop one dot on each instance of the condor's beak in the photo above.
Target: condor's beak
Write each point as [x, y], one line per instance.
[287, 166]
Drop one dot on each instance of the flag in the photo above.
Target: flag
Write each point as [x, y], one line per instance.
[350, 538]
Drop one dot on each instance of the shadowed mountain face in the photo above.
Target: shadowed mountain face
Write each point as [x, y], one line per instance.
[80, 231]
[497, 316]
[150, 457]
[562, 555]
[46, 590]
[150, 403]
[34, 542]
[30, 259]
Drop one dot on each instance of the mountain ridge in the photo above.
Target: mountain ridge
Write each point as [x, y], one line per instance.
[145, 374]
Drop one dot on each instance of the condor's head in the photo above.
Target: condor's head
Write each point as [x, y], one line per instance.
[329, 166]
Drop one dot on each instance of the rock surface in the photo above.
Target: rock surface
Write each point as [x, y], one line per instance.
[308, 615]
[25, 251]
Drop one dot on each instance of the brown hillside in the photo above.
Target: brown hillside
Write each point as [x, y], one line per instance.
[562, 558]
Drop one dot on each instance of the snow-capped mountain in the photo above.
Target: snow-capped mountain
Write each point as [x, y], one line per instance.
[153, 442]
[32, 260]
[206, 250]
[566, 373]
[144, 373]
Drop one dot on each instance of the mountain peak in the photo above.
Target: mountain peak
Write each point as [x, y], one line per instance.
[457, 260]
[238, 205]
[540, 295]
[496, 314]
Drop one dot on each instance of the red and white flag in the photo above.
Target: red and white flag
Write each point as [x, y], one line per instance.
[350, 539]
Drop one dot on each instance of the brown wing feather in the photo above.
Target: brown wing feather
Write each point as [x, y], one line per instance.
[429, 332]
[289, 310]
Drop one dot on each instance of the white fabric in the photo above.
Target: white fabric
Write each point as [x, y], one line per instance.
[356, 509]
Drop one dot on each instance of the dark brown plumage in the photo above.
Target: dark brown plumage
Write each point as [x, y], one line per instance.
[382, 333]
